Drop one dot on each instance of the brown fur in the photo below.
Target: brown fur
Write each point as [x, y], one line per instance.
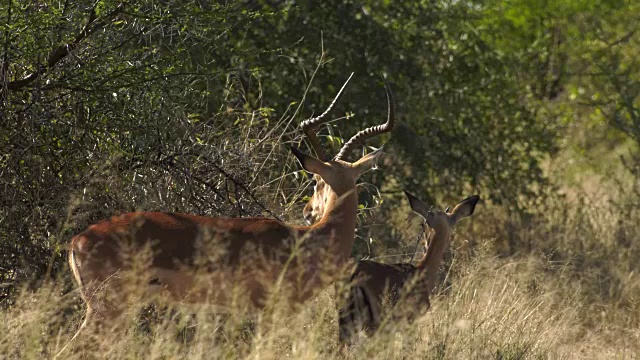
[199, 259]
[376, 288]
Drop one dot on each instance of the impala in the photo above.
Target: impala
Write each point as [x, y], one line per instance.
[198, 259]
[376, 288]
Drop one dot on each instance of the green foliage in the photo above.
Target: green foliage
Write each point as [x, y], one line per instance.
[583, 51]
[121, 105]
[114, 106]
[461, 105]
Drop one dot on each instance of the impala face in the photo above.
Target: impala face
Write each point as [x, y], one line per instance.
[325, 186]
[340, 179]
[443, 219]
[314, 209]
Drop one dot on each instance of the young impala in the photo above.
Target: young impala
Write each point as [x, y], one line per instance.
[376, 288]
[198, 259]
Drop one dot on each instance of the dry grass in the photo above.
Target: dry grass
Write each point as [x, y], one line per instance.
[562, 283]
[501, 308]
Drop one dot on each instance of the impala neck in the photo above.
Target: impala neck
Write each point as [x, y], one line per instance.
[339, 223]
[430, 263]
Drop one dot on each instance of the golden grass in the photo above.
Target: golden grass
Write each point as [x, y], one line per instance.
[494, 308]
[562, 284]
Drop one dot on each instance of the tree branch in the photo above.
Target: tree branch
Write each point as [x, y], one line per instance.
[625, 38]
[4, 71]
[55, 56]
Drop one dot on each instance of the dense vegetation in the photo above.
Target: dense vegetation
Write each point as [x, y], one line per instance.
[113, 106]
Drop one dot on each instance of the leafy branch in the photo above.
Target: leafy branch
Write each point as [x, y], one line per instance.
[93, 24]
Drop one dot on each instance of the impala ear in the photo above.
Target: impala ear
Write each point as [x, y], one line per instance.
[417, 205]
[366, 162]
[464, 208]
[309, 163]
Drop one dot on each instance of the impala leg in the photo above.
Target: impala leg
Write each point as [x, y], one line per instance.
[345, 330]
[346, 315]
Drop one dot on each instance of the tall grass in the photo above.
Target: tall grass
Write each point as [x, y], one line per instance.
[559, 282]
[516, 307]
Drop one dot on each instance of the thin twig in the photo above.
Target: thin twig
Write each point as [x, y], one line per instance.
[61, 52]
